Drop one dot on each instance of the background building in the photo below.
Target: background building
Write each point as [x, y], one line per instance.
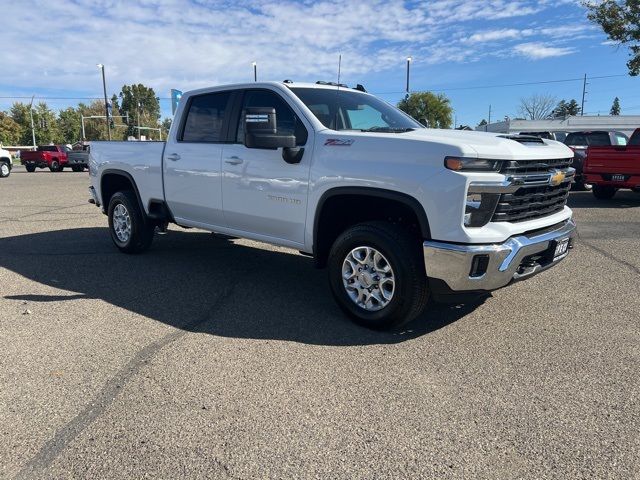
[622, 123]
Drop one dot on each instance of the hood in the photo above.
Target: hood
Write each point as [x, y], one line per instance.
[492, 145]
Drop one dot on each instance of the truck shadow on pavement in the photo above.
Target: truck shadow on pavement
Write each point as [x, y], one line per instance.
[203, 283]
[622, 199]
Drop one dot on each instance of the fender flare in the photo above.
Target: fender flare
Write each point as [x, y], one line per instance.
[400, 197]
[127, 175]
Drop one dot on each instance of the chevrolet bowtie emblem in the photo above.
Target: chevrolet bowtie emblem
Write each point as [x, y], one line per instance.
[557, 177]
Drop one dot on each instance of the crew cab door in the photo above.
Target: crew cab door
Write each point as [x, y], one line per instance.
[264, 196]
[191, 163]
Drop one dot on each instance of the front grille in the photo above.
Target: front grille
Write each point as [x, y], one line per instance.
[529, 167]
[530, 202]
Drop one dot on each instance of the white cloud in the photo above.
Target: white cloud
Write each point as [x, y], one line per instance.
[189, 44]
[537, 50]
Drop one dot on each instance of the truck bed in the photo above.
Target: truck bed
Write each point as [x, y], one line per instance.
[141, 160]
[617, 166]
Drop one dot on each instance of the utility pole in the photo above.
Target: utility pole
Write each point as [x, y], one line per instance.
[106, 105]
[409, 59]
[488, 122]
[584, 91]
[33, 131]
[139, 107]
[255, 71]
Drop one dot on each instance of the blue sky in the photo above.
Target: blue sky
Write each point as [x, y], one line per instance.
[458, 48]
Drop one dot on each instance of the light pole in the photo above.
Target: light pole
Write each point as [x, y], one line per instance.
[409, 59]
[106, 105]
[255, 71]
[33, 130]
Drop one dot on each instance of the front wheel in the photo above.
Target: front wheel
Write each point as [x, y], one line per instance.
[55, 166]
[603, 192]
[377, 275]
[130, 230]
[5, 171]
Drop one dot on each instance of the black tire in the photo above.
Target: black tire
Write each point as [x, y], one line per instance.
[603, 192]
[141, 234]
[5, 169]
[55, 166]
[30, 168]
[403, 253]
[76, 168]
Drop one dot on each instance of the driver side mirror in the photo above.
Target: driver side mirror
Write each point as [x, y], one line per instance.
[260, 130]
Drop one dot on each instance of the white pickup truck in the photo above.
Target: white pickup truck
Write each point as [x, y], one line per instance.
[399, 213]
[6, 163]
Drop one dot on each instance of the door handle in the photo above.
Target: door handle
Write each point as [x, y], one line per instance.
[173, 157]
[234, 160]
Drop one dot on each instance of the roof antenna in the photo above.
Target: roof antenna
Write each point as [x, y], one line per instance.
[338, 92]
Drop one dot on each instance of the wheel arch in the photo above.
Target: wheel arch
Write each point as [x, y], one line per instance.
[112, 181]
[399, 202]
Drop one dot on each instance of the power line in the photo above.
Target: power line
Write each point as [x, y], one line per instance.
[541, 82]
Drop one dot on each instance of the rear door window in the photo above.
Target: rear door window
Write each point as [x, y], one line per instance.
[598, 139]
[205, 119]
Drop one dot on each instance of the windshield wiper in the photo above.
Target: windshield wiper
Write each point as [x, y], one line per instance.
[388, 129]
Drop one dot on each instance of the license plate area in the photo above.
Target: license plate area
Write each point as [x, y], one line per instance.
[561, 249]
[617, 178]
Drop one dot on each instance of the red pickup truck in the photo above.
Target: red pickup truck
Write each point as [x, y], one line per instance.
[52, 156]
[609, 169]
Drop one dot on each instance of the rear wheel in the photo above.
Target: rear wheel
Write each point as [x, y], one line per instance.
[130, 230]
[602, 192]
[30, 168]
[377, 276]
[5, 170]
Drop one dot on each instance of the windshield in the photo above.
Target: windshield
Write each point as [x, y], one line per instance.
[349, 110]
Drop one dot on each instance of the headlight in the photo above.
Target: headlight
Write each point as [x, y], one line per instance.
[479, 208]
[462, 164]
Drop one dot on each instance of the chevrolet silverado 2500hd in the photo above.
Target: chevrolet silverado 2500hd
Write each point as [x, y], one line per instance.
[397, 212]
[6, 163]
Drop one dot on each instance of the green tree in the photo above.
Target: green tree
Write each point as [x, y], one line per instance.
[620, 20]
[482, 123]
[19, 113]
[10, 130]
[428, 108]
[166, 125]
[143, 107]
[564, 109]
[615, 108]
[69, 125]
[46, 125]
[96, 128]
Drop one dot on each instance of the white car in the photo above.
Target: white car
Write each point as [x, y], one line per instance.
[6, 163]
[398, 212]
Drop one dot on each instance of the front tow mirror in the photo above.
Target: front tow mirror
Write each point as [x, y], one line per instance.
[260, 130]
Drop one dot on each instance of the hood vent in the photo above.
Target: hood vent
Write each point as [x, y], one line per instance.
[524, 139]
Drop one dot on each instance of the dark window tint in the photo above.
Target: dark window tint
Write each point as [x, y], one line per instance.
[206, 118]
[48, 148]
[286, 121]
[597, 139]
[635, 139]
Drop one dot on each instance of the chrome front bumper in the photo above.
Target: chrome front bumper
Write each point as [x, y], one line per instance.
[519, 257]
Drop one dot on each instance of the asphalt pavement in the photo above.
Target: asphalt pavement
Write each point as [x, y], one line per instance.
[215, 358]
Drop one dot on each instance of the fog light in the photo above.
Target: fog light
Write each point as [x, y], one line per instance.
[479, 208]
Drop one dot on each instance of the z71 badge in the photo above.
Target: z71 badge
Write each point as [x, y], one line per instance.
[338, 142]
